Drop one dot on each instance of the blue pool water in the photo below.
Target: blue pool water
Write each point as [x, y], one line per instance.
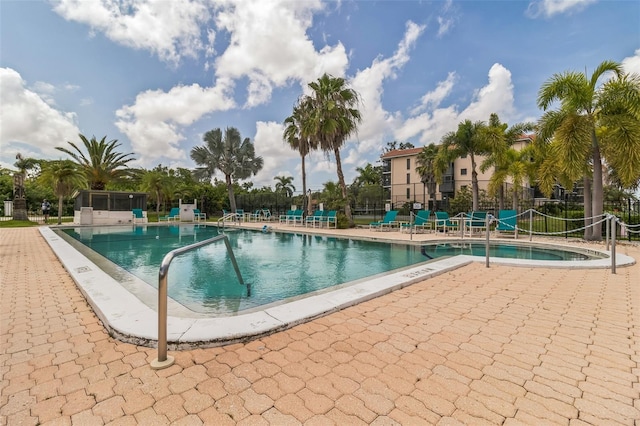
[277, 266]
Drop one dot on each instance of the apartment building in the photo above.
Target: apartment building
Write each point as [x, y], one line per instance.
[404, 185]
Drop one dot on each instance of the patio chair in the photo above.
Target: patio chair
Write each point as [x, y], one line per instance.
[329, 218]
[295, 218]
[476, 222]
[173, 216]
[314, 219]
[443, 222]
[266, 215]
[138, 216]
[284, 217]
[199, 216]
[507, 222]
[388, 221]
[240, 214]
[421, 222]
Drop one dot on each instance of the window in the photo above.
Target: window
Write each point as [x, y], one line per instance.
[408, 193]
[408, 178]
[408, 163]
[463, 172]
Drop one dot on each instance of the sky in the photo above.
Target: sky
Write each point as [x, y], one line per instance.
[156, 75]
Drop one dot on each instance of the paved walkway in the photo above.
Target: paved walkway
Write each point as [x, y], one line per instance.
[499, 345]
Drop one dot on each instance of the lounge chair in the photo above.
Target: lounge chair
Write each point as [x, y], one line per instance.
[443, 222]
[388, 221]
[199, 216]
[284, 217]
[266, 215]
[295, 218]
[240, 214]
[174, 215]
[314, 219]
[508, 222]
[138, 216]
[329, 218]
[421, 222]
[475, 222]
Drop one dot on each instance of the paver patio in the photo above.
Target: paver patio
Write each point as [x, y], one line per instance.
[498, 345]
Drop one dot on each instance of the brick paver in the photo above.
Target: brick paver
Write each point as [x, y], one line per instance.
[498, 345]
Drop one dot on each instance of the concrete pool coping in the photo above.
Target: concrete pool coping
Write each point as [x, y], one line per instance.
[130, 320]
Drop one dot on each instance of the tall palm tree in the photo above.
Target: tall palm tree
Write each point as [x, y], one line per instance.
[586, 105]
[229, 154]
[64, 177]
[284, 184]
[467, 140]
[368, 175]
[500, 139]
[334, 117]
[154, 181]
[426, 168]
[296, 134]
[103, 163]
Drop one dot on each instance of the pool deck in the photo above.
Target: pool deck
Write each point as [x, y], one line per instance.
[474, 345]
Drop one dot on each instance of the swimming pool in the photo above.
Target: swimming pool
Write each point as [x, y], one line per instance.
[276, 265]
[126, 305]
[507, 251]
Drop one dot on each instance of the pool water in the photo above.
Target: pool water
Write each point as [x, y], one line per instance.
[277, 265]
[503, 250]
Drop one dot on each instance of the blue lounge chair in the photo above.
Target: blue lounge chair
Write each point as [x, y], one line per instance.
[266, 215]
[329, 218]
[138, 216]
[388, 221]
[444, 222]
[240, 214]
[199, 216]
[174, 215]
[476, 222]
[314, 219]
[421, 221]
[507, 222]
[284, 217]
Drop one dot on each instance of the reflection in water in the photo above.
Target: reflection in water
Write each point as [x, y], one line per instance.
[276, 265]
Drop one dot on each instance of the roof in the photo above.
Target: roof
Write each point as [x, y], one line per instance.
[401, 153]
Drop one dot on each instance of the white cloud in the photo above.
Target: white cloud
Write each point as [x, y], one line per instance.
[376, 122]
[155, 121]
[269, 45]
[496, 96]
[549, 8]
[631, 64]
[168, 29]
[275, 153]
[26, 118]
[434, 98]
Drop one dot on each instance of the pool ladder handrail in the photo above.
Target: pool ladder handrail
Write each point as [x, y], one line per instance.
[164, 361]
[228, 216]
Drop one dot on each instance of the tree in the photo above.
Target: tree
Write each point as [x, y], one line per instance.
[426, 168]
[64, 177]
[467, 140]
[296, 134]
[229, 154]
[284, 184]
[333, 118]
[587, 107]
[103, 163]
[368, 175]
[155, 181]
[505, 160]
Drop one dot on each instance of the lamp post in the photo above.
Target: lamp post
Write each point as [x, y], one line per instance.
[309, 201]
[130, 201]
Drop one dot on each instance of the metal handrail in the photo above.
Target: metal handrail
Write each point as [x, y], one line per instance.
[223, 219]
[164, 361]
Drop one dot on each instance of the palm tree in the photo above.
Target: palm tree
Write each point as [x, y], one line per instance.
[426, 168]
[368, 175]
[284, 184]
[333, 118]
[467, 140]
[228, 153]
[64, 177]
[585, 108]
[103, 163]
[154, 181]
[297, 135]
[500, 139]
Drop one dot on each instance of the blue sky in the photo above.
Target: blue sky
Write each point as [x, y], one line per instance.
[156, 75]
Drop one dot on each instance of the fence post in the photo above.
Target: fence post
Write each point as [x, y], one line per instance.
[613, 244]
[530, 225]
[486, 245]
[608, 229]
